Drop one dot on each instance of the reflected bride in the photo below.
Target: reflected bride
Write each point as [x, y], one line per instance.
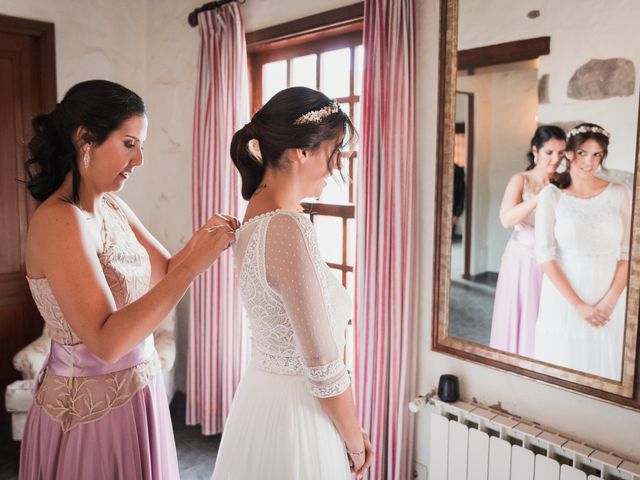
[581, 241]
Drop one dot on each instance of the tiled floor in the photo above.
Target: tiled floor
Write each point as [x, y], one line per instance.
[196, 453]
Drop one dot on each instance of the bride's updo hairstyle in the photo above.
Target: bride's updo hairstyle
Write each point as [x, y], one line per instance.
[297, 117]
[576, 137]
[101, 107]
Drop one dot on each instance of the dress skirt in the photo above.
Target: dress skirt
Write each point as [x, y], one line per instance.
[277, 430]
[132, 442]
[517, 298]
[564, 338]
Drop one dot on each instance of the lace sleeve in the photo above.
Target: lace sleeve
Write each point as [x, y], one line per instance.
[545, 246]
[294, 272]
[625, 213]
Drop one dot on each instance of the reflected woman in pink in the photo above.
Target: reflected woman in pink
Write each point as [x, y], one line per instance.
[515, 309]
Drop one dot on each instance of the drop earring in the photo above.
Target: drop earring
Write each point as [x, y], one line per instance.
[86, 159]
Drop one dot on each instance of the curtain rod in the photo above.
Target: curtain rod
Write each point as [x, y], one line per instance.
[193, 16]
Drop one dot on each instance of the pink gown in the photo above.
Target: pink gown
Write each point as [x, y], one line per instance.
[90, 419]
[515, 309]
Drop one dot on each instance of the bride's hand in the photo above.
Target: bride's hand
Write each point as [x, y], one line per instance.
[605, 308]
[360, 459]
[591, 314]
[369, 454]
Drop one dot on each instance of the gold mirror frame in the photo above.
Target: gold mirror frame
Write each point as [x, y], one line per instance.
[626, 392]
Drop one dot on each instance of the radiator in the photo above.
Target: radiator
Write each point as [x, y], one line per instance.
[470, 442]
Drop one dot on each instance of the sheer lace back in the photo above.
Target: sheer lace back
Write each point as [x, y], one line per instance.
[297, 309]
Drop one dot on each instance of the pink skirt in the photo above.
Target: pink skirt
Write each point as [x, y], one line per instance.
[132, 442]
[515, 310]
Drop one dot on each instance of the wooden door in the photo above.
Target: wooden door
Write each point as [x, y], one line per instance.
[27, 87]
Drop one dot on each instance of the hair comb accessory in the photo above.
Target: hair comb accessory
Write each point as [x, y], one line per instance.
[316, 116]
[586, 129]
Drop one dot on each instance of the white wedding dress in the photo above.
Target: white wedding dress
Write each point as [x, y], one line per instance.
[298, 312]
[586, 237]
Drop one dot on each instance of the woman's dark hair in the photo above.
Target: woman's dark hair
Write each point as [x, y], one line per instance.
[575, 138]
[541, 136]
[275, 128]
[101, 107]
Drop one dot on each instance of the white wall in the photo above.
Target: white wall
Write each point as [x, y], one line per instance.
[599, 423]
[580, 31]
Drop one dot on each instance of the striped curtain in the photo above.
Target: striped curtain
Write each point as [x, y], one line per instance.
[216, 354]
[386, 268]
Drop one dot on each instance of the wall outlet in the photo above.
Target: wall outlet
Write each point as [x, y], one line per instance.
[419, 471]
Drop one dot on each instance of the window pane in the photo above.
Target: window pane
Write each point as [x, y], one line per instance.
[356, 116]
[346, 108]
[357, 74]
[337, 190]
[274, 79]
[351, 242]
[303, 71]
[329, 231]
[354, 178]
[335, 72]
[356, 119]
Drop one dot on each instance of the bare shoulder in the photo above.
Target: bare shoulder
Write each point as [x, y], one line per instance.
[55, 226]
[55, 215]
[518, 180]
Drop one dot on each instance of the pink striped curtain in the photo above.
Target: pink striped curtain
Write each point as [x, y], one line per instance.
[386, 312]
[216, 354]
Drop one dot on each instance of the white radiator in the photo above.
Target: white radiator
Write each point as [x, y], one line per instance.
[469, 442]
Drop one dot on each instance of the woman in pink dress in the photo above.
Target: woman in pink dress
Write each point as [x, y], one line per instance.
[515, 308]
[103, 284]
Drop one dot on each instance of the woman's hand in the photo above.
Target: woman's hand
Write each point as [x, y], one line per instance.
[359, 460]
[219, 219]
[592, 314]
[605, 307]
[209, 242]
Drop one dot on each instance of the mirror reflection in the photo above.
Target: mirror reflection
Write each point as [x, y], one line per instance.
[543, 167]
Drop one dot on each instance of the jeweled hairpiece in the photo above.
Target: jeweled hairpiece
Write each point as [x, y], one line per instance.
[316, 116]
[586, 129]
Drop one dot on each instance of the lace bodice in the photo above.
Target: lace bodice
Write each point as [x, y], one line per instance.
[76, 400]
[125, 264]
[297, 309]
[591, 229]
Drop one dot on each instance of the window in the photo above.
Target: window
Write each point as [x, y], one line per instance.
[332, 63]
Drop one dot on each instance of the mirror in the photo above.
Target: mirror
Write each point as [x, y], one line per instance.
[538, 149]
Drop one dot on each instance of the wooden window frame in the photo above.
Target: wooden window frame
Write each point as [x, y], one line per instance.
[332, 30]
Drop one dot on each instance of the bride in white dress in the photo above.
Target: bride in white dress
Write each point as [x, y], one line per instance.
[582, 241]
[293, 415]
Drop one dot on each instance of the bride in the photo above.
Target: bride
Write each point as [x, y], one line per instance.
[293, 415]
[582, 241]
